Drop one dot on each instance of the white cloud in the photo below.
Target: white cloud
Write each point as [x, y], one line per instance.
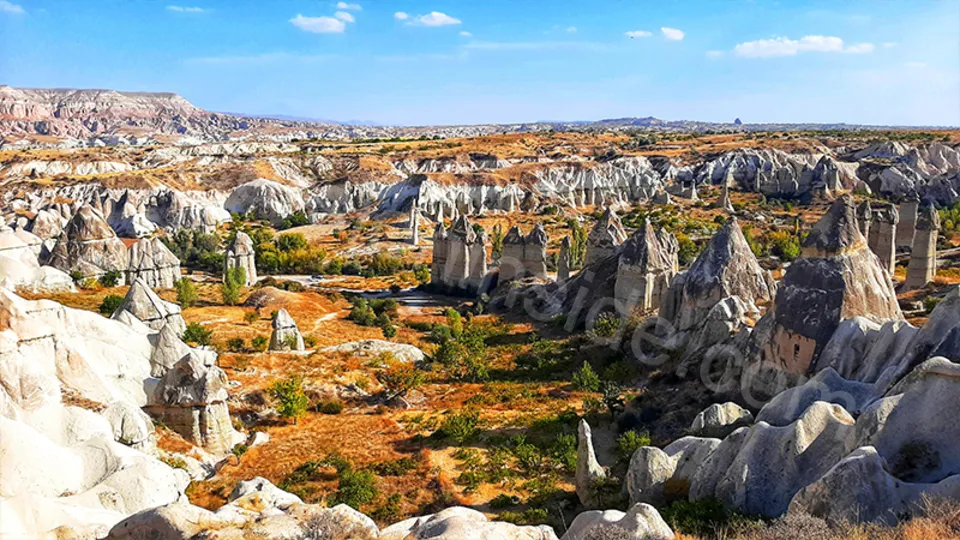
[782, 46]
[401, 16]
[637, 34]
[344, 16]
[714, 54]
[185, 9]
[466, 34]
[351, 7]
[860, 48]
[435, 18]
[672, 33]
[571, 29]
[319, 25]
[9, 7]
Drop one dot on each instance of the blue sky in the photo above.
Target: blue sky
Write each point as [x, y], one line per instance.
[450, 62]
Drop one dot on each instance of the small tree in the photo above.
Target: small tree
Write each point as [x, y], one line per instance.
[111, 278]
[496, 242]
[110, 304]
[260, 343]
[586, 379]
[399, 378]
[422, 273]
[186, 292]
[291, 400]
[233, 282]
[236, 344]
[455, 322]
[251, 317]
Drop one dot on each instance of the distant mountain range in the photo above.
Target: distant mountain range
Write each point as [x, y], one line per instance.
[113, 117]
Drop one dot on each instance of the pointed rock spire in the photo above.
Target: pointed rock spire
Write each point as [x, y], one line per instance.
[589, 471]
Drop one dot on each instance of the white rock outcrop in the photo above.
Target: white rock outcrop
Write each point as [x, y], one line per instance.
[142, 304]
[640, 522]
[265, 199]
[285, 336]
[154, 263]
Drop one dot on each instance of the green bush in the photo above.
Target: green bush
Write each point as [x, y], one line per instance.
[398, 467]
[111, 278]
[110, 304]
[703, 517]
[421, 273]
[504, 501]
[629, 442]
[356, 488]
[296, 219]
[455, 322]
[260, 343]
[197, 334]
[251, 317]
[586, 379]
[606, 325]
[236, 345]
[186, 292]
[460, 427]
[291, 401]
[331, 406]
[291, 242]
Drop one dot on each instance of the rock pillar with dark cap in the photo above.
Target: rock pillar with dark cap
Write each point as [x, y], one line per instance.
[923, 256]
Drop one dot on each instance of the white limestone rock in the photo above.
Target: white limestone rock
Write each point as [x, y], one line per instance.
[89, 246]
[265, 199]
[372, 348]
[589, 472]
[458, 522]
[657, 476]
[285, 336]
[144, 305]
[827, 386]
[154, 263]
[241, 253]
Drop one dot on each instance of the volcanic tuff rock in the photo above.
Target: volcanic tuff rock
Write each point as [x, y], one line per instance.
[726, 267]
[285, 336]
[19, 267]
[836, 278]
[589, 472]
[242, 254]
[461, 522]
[265, 199]
[143, 304]
[371, 348]
[605, 237]
[658, 476]
[64, 466]
[191, 400]
[645, 268]
[47, 224]
[720, 420]
[758, 470]
[640, 522]
[154, 263]
[89, 246]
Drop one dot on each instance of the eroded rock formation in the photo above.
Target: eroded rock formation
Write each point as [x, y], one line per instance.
[88, 246]
[154, 263]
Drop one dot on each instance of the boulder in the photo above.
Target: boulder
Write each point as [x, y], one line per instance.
[826, 386]
[265, 199]
[640, 522]
[272, 495]
[144, 305]
[46, 224]
[151, 261]
[459, 522]
[285, 336]
[20, 267]
[88, 246]
[372, 348]
[758, 470]
[589, 472]
[658, 476]
[720, 420]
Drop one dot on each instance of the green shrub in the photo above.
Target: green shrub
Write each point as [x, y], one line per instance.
[186, 292]
[331, 406]
[236, 345]
[251, 317]
[504, 501]
[111, 278]
[455, 322]
[296, 219]
[530, 516]
[460, 427]
[629, 442]
[110, 304]
[291, 242]
[421, 273]
[233, 282]
[701, 518]
[197, 334]
[260, 343]
[291, 401]
[606, 325]
[398, 467]
[239, 450]
[356, 488]
[390, 511]
[586, 379]
[76, 276]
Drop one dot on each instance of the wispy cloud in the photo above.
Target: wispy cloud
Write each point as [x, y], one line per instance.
[261, 59]
[888, 44]
[351, 7]
[637, 34]
[466, 34]
[783, 46]
[672, 33]
[9, 7]
[714, 54]
[571, 29]
[319, 25]
[401, 16]
[344, 16]
[434, 18]
[185, 9]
